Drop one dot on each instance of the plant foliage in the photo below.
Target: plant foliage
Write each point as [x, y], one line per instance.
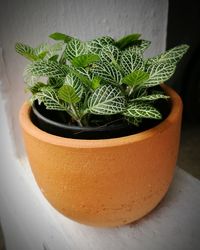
[100, 77]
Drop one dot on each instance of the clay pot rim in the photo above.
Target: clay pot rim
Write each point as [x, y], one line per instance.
[30, 128]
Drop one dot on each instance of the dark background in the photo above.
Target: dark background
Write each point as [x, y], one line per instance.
[184, 28]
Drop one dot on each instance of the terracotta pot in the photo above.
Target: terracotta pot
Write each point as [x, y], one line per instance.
[107, 182]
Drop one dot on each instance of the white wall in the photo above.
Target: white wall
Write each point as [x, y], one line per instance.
[32, 21]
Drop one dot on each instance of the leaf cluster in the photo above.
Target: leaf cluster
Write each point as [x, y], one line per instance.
[100, 77]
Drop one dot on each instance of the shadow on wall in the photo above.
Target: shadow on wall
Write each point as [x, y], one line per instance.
[2, 241]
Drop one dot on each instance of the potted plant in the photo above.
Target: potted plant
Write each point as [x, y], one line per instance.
[101, 130]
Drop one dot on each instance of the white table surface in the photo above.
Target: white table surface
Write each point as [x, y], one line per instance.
[30, 223]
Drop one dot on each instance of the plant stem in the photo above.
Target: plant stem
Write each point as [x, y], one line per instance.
[85, 119]
[76, 115]
[79, 123]
[130, 90]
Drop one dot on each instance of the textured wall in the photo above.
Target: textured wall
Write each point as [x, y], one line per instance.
[32, 21]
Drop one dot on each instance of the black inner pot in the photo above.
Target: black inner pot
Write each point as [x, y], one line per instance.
[56, 123]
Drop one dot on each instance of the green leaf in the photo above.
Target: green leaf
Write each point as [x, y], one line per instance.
[107, 72]
[106, 100]
[110, 54]
[126, 41]
[152, 97]
[54, 58]
[158, 73]
[26, 51]
[75, 83]
[49, 97]
[131, 61]
[85, 60]
[74, 48]
[97, 44]
[47, 68]
[173, 55]
[136, 78]
[60, 37]
[140, 110]
[96, 82]
[68, 94]
[86, 77]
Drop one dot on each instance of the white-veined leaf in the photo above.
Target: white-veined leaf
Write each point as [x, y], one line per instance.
[84, 75]
[106, 100]
[144, 45]
[141, 110]
[107, 72]
[134, 120]
[110, 54]
[139, 92]
[136, 78]
[130, 61]
[56, 82]
[55, 50]
[95, 46]
[173, 55]
[49, 97]
[75, 82]
[85, 72]
[41, 50]
[67, 94]
[47, 68]
[85, 60]
[139, 47]
[152, 97]
[26, 51]
[158, 73]
[28, 77]
[74, 48]
[134, 50]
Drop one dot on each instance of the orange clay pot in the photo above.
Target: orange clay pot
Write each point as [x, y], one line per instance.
[108, 182]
